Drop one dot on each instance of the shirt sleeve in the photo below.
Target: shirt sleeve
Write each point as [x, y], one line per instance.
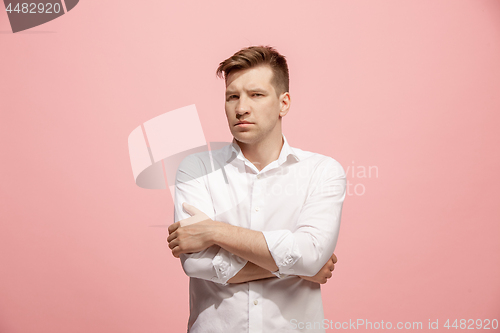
[312, 242]
[214, 263]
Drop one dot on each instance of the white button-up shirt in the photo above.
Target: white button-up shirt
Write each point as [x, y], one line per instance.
[296, 201]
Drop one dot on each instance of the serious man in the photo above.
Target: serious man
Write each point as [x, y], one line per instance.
[256, 222]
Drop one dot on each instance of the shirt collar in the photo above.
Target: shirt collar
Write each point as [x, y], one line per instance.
[286, 150]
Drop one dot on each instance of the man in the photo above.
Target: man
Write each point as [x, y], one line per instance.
[257, 221]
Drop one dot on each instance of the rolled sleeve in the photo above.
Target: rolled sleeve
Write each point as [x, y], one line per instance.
[283, 248]
[312, 242]
[226, 266]
[214, 263]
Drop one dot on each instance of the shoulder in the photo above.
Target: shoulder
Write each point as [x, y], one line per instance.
[321, 164]
[200, 163]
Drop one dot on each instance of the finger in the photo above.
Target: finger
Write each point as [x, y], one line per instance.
[173, 227]
[173, 244]
[191, 210]
[334, 258]
[176, 251]
[331, 266]
[188, 221]
[171, 237]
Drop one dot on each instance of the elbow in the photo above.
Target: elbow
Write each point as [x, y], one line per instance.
[190, 266]
[187, 266]
[314, 258]
[311, 265]
[198, 267]
[314, 255]
[313, 271]
[189, 269]
[302, 265]
[192, 269]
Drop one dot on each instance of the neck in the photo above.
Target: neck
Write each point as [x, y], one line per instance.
[263, 152]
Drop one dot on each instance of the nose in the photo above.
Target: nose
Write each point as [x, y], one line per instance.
[242, 106]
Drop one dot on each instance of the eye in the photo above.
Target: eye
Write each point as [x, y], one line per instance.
[230, 97]
[258, 94]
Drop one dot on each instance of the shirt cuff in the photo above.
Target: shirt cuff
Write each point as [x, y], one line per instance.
[226, 266]
[284, 249]
[279, 275]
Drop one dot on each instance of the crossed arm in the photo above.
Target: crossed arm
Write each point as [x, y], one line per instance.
[252, 272]
[236, 254]
[199, 232]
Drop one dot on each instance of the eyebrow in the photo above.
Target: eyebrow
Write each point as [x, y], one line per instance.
[230, 92]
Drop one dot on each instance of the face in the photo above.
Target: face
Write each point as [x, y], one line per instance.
[253, 109]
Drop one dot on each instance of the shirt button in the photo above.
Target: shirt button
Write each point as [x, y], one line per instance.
[258, 176]
[256, 302]
[257, 209]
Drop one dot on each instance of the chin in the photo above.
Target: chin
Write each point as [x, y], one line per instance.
[244, 137]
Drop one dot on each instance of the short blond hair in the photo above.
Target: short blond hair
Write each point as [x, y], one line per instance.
[254, 56]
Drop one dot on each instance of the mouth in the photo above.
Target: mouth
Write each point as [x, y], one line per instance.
[243, 123]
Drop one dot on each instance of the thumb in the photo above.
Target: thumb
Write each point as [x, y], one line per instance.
[191, 210]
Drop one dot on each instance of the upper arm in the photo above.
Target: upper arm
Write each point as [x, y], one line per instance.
[306, 248]
[190, 187]
[319, 219]
[213, 264]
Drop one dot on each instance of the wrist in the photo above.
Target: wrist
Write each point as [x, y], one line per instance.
[218, 232]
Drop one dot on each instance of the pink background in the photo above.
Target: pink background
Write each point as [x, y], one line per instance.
[408, 87]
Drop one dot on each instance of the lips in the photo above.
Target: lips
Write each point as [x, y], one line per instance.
[243, 123]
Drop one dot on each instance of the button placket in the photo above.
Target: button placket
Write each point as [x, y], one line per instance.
[257, 196]
[255, 307]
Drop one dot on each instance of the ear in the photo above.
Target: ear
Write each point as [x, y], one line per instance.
[284, 103]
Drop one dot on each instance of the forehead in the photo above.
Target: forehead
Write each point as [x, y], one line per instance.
[255, 77]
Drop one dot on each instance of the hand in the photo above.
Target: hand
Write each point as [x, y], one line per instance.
[324, 273]
[196, 215]
[193, 234]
